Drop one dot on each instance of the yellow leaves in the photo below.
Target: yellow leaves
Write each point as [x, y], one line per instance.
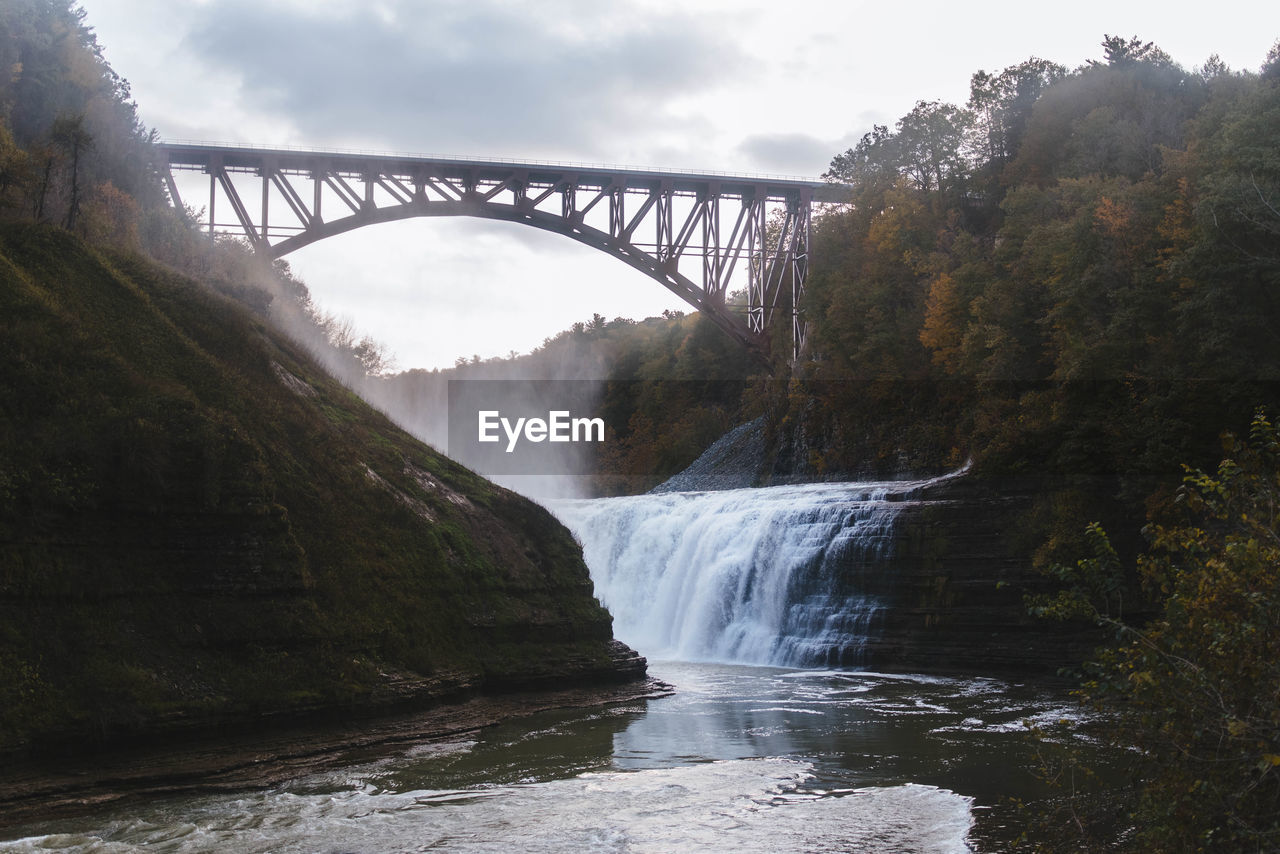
[1115, 220]
[1142, 678]
[943, 322]
[1177, 231]
[897, 230]
[1112, 217]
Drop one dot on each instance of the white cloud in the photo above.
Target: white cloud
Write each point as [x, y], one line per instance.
[479, 78]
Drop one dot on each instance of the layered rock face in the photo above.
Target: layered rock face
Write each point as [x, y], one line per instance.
[955, 584]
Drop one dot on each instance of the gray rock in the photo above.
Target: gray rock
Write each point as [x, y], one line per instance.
[732, 462]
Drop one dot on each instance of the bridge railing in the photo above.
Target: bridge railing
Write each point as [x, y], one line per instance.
[503, 161]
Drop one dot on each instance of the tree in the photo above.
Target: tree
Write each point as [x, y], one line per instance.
[930, 143]
[111, 217]
[365, 354]
[925, 147]
[1122, 53]
[15, 171]
[69, 132]
[1110, 118]
[54, 80]
[1242, 178]
[1231, 258]
[869, 168]
[1197, 689]
[1214, 67]
[1001, 105]
[1271, 68]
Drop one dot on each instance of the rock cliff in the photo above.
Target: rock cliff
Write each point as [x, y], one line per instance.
[199, 527]
[955, 587]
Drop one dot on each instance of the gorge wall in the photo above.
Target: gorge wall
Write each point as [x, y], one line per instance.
[199, 527]
[955, 587]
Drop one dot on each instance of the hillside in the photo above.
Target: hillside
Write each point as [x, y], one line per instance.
[199, 526]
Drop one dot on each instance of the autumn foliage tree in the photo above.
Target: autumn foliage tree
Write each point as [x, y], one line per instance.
[1053, 275]
[69, 125]
[1192, 697]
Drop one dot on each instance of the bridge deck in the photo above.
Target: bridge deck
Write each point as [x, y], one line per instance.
[201, 156]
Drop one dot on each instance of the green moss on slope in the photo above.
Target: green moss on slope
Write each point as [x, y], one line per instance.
[196, 523]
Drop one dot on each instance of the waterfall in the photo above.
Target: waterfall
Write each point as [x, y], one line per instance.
[760, 576]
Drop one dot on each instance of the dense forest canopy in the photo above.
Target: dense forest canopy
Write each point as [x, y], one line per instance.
[1076, 278]
[1084, 261]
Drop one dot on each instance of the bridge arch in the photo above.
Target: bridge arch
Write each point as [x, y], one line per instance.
[752, 231]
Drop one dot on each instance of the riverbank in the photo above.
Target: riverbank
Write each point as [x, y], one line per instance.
[52, 789]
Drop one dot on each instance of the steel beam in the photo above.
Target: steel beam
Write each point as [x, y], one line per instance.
[683, 213]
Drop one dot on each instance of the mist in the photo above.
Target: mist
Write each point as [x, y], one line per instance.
[418, 400]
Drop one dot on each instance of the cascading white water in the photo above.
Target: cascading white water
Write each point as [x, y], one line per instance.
[755, 576]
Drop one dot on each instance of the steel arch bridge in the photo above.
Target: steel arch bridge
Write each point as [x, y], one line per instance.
[735, 230]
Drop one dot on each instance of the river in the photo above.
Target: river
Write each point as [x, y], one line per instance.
[762, 747]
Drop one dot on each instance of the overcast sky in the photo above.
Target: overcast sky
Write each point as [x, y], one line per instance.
[729, 85]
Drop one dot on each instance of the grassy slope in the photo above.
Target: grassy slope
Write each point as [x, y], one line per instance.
[197, 524]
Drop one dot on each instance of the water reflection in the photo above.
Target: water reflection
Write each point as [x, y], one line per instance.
[548, 746]
[738, 759]
[857, 729]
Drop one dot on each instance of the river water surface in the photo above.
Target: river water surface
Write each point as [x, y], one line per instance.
[744, 756]
[744, 759]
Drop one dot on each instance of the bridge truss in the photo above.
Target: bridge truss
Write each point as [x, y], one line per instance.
[701, 236]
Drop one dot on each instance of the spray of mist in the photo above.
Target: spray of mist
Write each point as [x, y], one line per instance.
[418, 400]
